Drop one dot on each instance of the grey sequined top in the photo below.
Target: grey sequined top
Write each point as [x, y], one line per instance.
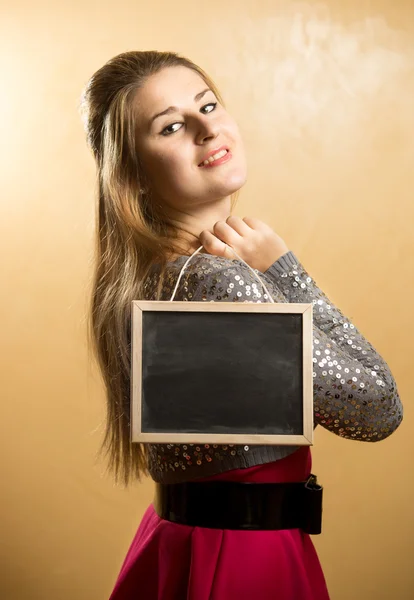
[355, 394]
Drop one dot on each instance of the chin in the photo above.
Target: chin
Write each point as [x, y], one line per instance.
[235, 181]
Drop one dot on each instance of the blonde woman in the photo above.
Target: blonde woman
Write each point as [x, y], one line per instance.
[170, 160]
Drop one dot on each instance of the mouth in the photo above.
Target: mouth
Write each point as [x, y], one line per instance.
[216, 157]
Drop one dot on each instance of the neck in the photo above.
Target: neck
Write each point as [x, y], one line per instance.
[191, 223]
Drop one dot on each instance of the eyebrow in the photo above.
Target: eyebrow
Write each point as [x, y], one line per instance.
[172, 109]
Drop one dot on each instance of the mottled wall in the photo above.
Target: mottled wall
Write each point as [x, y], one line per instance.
[323, 93]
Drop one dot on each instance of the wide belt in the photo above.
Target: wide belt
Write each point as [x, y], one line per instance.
[242, 505]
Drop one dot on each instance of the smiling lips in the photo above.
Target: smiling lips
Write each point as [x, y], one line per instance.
[216, 157]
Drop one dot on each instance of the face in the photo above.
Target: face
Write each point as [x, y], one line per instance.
[172, 146]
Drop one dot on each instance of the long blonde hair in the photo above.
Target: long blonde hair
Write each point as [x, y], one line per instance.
[131, 235]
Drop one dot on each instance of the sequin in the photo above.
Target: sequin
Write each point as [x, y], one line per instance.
[355, 394]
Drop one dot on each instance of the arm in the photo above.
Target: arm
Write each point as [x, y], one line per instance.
[355, 395]
[375, 404]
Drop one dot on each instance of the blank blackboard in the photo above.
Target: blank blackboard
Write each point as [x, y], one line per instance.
[221, 372]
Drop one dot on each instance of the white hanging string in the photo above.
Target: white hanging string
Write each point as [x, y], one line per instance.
[201, 247]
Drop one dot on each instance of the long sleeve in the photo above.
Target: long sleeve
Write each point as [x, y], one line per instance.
[355, 394]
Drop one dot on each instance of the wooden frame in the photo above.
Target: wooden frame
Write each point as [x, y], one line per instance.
[138, 313]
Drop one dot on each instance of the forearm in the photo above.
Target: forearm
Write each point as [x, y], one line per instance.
[355, 391]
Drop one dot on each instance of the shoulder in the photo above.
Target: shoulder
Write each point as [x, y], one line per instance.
[214, 278]
[202, 265]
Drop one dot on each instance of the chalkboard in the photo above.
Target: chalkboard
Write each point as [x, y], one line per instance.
[221, 372]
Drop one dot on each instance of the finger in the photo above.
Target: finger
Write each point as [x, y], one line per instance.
[239, 225]
[256, 224]
[213, 245]
[226, 233]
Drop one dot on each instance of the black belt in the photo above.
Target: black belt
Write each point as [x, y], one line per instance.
[242, 505]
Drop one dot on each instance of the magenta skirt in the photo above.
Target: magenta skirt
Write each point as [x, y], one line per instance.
[167, 561]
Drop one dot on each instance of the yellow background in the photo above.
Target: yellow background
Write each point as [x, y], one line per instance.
[323, 93]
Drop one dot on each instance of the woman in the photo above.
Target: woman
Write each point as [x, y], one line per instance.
[170, 160]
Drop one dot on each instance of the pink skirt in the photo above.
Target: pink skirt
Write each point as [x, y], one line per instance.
[167, 561]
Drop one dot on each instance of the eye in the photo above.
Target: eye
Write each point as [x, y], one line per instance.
[166, 131]
[214, 104]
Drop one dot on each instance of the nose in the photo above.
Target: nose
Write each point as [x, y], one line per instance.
[206, 131]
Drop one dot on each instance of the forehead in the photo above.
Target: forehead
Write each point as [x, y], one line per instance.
[172, 86]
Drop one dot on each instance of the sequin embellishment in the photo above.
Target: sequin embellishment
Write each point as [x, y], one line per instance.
[355, 394]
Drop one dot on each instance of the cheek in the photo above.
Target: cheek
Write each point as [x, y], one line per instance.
[171, 165]
[238, 136]
[157, 163]
[234, 133]
[168, 170]
[239, 145]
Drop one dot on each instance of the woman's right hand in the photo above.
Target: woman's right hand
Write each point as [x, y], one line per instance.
[253, 240]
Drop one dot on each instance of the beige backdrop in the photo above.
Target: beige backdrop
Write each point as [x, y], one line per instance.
[323, 93]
